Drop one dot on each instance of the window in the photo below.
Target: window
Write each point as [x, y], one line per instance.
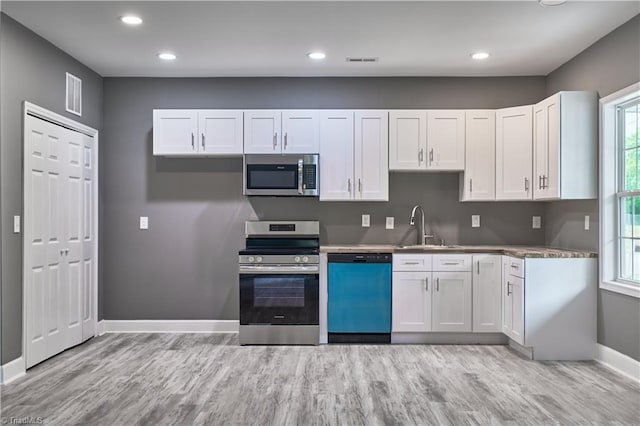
[620, 192]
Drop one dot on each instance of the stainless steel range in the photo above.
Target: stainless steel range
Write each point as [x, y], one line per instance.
[279, 284]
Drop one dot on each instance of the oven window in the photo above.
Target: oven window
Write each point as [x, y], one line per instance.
[278, 292]
[272, 176]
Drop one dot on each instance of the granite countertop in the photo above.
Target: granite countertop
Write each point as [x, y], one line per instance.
[515, 251]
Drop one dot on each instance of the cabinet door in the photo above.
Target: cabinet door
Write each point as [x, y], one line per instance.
[221, 132]
[445, 140]
[451, 303]
[411, 306]
[174, 131]
[336, 156]
[372, 155]
[507, 306]
[487, 294]
[546, 144]
[262, 132]
[517, 309]
[300, 132]
[514, 152]
[407, 140]
[479, 181]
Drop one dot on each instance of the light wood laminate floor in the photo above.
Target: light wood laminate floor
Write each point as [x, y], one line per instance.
[126, 379]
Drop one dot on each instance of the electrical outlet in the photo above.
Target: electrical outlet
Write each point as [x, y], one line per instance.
[144, 222]
[537, 222]
[366, 221]
[16, 224]
[390, 223]
[475, 221]
[586, 222]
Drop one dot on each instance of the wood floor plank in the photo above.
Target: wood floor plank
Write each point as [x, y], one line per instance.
[208, 379]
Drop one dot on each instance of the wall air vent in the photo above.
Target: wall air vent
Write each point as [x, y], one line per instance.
[362, 60]
[74, 95]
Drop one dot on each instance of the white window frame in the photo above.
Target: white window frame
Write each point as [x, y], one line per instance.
[609, 159]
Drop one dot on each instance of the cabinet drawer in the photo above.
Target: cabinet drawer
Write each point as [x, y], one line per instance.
[452, 262]
[412, 262]
[515, 266]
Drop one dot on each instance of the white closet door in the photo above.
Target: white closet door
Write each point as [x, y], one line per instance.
[45, 291]
[89, 249]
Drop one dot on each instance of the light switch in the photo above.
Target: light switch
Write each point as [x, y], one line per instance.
[16, 224]
[390, 223]
[144, 222]
[537, 222]
[366, 221]
[586, 222]
[475, 221]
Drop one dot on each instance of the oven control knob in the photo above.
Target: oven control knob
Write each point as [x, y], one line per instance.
[305, 259]
[251, 259]
[296, 259]
[259, 259]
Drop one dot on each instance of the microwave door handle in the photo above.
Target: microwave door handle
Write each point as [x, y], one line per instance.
[300, 170]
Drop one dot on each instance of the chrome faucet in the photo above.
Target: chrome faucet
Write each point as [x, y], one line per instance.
[422, 235]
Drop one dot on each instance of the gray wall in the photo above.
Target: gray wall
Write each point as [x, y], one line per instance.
[609, 65]
[185, 265]
[32, 69]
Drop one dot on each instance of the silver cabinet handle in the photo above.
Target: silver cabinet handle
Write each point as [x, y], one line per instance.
[437, 284]
[359, 185]
[421, 155]
[66, 252]
[285, 140]
[431, 156]
[478, 267]
[275, 140]
[411, 263]
[426, 286]
[61, 252]
[203, 146]
[514, 266]
[508, 288]
[193, 141]
[470, 185]
[545, 180]
[540, 182]
[526, 184]
[349, 185]
[451, 263]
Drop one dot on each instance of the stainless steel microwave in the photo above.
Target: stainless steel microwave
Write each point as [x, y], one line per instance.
[289, 175]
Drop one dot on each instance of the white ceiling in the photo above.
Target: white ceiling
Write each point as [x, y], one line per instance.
[271, 38]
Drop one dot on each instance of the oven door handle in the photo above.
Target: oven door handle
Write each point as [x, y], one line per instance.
[279, 269]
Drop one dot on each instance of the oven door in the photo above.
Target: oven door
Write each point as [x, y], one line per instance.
[280, 295]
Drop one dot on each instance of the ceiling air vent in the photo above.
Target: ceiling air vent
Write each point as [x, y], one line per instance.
[362, 60]
[74, 94]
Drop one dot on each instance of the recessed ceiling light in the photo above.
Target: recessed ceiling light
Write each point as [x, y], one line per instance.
[480, 55]
[166, 56]
[546, 3]
[131, 20]
[316, 55]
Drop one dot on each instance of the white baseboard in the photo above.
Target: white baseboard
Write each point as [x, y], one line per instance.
[618, 362]
[13, 370]
[169, 326]
[100, 328]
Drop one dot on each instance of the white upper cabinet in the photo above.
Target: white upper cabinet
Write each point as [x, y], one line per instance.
[407, 139]
[371, 155]
[281, 132]
[186, 132]
[565, 146]
[300, 132]
[478, 183]
[262, 132]
[220, 131]
[336, 155]
[174, 132]
[514, 152]
[445, 139]
[354, 159]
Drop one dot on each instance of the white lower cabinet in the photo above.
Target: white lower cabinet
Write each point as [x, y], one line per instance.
[513, 303]
[411, 302]
[451, 302]
[487, 293]
[425, 299]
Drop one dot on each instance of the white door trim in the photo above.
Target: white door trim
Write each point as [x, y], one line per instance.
[60, 120]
